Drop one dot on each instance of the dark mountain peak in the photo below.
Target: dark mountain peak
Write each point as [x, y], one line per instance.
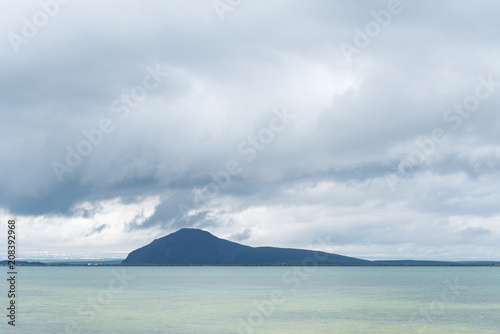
[190, 236]
[193, 246]
[192, 232]
[187, 246]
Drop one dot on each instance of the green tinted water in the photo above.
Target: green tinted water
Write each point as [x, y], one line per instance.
[136, 300]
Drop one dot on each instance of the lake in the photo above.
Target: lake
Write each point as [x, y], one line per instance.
[133, 300]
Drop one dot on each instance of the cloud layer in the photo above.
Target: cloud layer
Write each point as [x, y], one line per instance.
[366, 129]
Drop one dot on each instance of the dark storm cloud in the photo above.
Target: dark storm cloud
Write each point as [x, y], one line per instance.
[98, 229]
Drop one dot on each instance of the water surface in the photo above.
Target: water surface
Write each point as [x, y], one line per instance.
[132, 300]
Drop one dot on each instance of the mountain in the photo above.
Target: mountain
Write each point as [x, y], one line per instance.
[187, 246]
[198, 247]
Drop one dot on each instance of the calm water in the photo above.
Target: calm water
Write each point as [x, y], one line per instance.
[257, 300]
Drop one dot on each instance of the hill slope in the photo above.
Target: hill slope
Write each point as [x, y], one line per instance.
[187, 246]
[197, 247]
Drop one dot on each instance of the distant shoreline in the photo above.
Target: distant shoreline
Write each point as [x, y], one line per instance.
[257, 265]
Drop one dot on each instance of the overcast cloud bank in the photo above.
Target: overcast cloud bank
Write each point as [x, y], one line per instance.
[393, 150]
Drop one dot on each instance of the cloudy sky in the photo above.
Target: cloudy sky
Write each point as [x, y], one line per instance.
[365, 128]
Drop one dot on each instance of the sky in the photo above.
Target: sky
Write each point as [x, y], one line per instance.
[363, 128]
